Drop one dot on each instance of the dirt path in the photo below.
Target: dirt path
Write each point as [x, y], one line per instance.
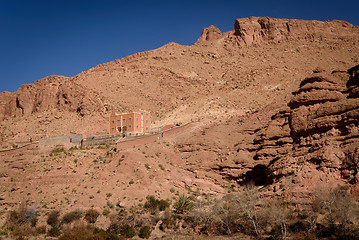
[170, 135]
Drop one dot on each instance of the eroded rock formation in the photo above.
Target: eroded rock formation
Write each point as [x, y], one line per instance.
[49, 93]
[315, 138]
[255, 30]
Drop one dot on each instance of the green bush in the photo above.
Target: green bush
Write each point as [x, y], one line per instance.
[154, 204]
[145, 232]
[104, 235]
[163, 204]
[127, 231]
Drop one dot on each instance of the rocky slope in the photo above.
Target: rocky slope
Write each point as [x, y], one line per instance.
[221, 76]
[251, 121]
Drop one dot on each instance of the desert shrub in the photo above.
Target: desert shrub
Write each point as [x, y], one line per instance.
[53, 218]
[78, 231]
[339, 210]
[106, 212]
[183, 204]
[275, 234]
[163, 205]
[277, 215]
[145, 232]
[101, 234]
[4, 232]
[127, 231]
[57, 151]
[91, 215]
[40, 230]
[71, 216]
[153, 204]
[22, 221]
[54, 232]
[169, 221]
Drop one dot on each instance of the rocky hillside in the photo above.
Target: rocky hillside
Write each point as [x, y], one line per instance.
[313, 140]
[221, 76]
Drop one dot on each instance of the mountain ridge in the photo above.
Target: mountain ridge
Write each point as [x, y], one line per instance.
[221, 77]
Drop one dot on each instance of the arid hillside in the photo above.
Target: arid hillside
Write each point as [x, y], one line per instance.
[273, 103]
[222, 75]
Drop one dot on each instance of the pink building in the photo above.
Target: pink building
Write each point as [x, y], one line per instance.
[133, 124]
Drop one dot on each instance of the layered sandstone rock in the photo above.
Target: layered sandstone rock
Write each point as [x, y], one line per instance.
[312, 141]
[255, 30]
[318, 134]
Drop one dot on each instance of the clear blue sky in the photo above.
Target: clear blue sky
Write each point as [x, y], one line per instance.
[61, 37]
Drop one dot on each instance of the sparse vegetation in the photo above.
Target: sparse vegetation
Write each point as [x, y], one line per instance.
[127, 231]
[54, 232]
[155, 204]
[71, 216]
[57, 151]
[145, 232]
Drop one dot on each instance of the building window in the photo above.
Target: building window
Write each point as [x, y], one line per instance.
[129, 134]
[136, 119]
[146, 114]
[118, 121]
[136, 127]
[112, 129]
[123, 120]
[129, 127]
[141, 113]
[113, 121]
[129, 119]
[146, 129]
[146, 121]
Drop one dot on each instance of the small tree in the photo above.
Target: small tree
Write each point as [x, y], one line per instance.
[249, 201]
[277, 215]
[338, 207]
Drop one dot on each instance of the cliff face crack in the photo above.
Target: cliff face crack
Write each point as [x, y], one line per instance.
[18, 105]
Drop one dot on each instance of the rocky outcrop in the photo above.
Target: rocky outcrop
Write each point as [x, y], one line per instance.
[209, 34]
[49, 93]
[315, 137]
[258, 29]
[255, 30]
[323, 121]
